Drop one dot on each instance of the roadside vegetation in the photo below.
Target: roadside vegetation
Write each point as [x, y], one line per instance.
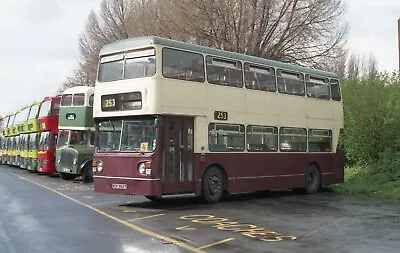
[371, 136]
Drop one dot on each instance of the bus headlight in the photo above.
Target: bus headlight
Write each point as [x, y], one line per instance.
[99, 166]
[75, 161]
[144, 168]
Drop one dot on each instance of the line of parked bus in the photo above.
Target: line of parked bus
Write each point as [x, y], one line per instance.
[51, 136]
[177, 118]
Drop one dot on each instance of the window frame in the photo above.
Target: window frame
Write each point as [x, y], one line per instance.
[226, 150]
[282, 128]
[209, 59]
[188, 52]
[275, 133]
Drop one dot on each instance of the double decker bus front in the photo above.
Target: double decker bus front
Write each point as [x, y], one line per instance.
[48, 127]
[126, 158]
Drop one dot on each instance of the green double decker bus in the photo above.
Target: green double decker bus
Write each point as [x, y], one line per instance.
[76, 136]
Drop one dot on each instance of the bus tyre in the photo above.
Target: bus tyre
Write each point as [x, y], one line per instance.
[87, 174]
[213, 185]
[67, 176]
[313, 179]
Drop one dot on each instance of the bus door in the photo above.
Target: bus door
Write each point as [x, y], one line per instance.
[177, 158]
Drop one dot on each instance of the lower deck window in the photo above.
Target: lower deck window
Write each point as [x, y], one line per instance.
[262, 139]
[319, 140]
[292, 139]
[226, 137]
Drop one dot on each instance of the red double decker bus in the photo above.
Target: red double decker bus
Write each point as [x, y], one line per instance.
[48, 129]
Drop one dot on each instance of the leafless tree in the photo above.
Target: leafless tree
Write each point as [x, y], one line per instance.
[359, 66]
[304, 32]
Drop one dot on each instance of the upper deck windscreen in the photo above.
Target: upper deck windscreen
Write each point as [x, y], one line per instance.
[34, 111]
[45, 109]
[136, 64]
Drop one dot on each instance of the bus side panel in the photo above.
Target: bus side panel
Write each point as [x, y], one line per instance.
[266, 171]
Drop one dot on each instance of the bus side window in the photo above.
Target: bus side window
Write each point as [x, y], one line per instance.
[259, 78]
[182, 65]
[317, 87]
[224, 72]
[335, 90]
[290, 83]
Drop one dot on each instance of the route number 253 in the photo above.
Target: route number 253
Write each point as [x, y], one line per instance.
[220, 115]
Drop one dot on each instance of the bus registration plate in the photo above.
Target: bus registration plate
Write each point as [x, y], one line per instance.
[119, 186]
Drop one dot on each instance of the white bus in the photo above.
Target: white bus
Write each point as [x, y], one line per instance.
[177, 118]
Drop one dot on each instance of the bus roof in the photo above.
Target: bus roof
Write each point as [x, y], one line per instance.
[79, 89]
[135, 42]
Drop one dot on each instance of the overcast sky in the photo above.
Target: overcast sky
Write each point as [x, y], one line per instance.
[39, 42]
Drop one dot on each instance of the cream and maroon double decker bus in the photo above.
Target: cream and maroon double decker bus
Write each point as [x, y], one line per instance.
[177, 118]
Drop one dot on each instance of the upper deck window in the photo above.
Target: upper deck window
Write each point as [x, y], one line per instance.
[183, 65]
[140, 64]
[57, 107]
[259, 78]
[291, 83]
[134, 64]
[335, 90]
[91, 100]
[66, 100]
[224, 72]
[34, 111]
[318, 87]
[79, 99]
[45, 109]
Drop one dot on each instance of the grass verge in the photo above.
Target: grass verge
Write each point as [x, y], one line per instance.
[379, 180]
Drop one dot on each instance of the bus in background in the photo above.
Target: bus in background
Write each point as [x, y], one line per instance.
[4, 139]
[75, 142]
[10, 140]
[23, 137]
[33, 136]
[176, 118]
[48, 128]
[15, 139]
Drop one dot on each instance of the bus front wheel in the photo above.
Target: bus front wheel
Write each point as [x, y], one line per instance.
[213, 185]
[313, 179]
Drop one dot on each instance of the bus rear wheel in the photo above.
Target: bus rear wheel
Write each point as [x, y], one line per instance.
[313, 180]
[213, 185]
[67, 176]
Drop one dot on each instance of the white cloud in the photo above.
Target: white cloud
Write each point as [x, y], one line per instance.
[39, 47]
[373, 28]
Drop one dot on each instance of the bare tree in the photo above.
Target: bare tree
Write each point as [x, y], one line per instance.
[359, 66]
[304, 32]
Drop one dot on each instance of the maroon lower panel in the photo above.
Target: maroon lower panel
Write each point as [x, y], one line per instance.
[260, 171]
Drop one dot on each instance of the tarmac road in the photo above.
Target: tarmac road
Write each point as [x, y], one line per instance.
[43, 214]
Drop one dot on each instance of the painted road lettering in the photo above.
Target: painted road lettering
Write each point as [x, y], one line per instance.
[246, 229]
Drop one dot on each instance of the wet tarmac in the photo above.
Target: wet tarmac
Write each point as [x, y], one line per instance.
[42, 214]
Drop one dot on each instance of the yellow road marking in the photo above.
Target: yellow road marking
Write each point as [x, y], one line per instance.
[132, 226]
[185, 228]
[146, 217]
[215, 243]
[129, 211]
